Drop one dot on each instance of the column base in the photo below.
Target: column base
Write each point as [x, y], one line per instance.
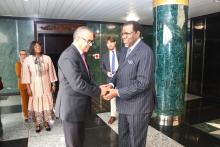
[168, 120]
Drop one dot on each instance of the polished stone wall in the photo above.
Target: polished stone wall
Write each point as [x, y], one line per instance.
[14, 35]
[204, 79]
[170, 28]
[102, 31]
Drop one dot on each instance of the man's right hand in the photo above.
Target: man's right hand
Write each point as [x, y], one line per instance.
[105, 89]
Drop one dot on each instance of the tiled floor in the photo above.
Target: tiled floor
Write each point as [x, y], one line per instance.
[154, 139]
[16, 133]
[210, 127]
[198, 110]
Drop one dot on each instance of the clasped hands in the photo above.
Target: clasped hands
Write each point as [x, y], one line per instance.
[107, 91]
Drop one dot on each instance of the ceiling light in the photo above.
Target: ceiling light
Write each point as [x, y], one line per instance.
[111, 26]
[217, 1]
[133, 17]
[26, 0]
[199, 27]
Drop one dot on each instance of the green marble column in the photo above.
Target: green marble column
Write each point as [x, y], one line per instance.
[170, 32]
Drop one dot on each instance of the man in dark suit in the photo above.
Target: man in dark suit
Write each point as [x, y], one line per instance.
[135, 90]
[109, 65]
[75, 87]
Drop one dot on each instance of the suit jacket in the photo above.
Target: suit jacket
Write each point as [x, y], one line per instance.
[105, 64]
[75, 87]
[18, 73]
[135, 80]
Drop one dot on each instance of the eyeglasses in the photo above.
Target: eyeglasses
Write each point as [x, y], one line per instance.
[126, 33]
[89, 42]
[23, 54]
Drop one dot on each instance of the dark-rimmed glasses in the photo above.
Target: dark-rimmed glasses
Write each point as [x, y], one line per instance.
[23, 54]
[89, 42]
[126, 33]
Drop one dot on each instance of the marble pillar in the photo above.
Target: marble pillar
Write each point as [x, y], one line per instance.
[170, 32]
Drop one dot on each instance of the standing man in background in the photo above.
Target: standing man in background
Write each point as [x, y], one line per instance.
[75, 88]
[109, 65]
[22, 87]
[135, 87]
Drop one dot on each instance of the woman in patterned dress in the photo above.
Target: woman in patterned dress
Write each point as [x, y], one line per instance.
[39, 75]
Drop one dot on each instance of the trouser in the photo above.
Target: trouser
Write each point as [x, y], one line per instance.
[74, 133]
[133, 129]
[113, 107]
[24, 103]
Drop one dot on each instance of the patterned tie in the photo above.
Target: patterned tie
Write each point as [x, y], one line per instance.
[84, 61]
[128, 52]
[113, 62]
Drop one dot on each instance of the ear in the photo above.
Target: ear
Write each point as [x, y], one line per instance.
[138, 33]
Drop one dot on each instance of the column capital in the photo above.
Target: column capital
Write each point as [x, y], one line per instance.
[168, 2]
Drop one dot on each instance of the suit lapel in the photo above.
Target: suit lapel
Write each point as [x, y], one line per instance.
[81, 60]
[118, 54]
[130, 56]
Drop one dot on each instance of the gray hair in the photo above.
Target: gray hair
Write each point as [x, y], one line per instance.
[80, 30]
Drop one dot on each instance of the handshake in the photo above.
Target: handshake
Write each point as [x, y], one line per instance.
[107, 91]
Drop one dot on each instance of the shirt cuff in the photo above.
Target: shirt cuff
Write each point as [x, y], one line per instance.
[112, 85]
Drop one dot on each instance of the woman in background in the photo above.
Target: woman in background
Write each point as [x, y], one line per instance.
[39, 75]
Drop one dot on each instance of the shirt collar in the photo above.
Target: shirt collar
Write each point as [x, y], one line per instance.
[78, 49]
[135, 44]
[112, 50]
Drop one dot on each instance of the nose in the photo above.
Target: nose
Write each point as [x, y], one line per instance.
[123, 36]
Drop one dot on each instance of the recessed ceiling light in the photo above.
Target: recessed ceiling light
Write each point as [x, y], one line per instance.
[7, 15]
[26, 0]
[111, 26]
[132, 16]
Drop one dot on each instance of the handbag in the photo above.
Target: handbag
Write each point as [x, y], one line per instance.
[1, 84]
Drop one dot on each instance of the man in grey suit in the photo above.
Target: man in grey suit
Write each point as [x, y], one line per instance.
[135, 91]
[109, 65]
[75, 87]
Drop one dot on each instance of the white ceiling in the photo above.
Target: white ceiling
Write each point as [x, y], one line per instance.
[96, 10]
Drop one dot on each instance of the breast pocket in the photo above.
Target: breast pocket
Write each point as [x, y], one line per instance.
[131, 67]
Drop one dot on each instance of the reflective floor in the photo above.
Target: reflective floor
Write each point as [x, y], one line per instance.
[198, 111]
[201, 128]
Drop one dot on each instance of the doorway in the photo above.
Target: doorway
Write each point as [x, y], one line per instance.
[55, 44]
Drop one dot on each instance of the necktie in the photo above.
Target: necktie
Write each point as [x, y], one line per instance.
[128, 52]
[84, 61]
[113, 62]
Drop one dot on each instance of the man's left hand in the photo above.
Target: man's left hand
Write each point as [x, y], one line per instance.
[111, 94]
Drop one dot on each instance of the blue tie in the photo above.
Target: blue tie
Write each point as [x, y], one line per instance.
[113, 62]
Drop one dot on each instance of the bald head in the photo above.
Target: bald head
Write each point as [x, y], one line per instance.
[79, 32]
[83, 38]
